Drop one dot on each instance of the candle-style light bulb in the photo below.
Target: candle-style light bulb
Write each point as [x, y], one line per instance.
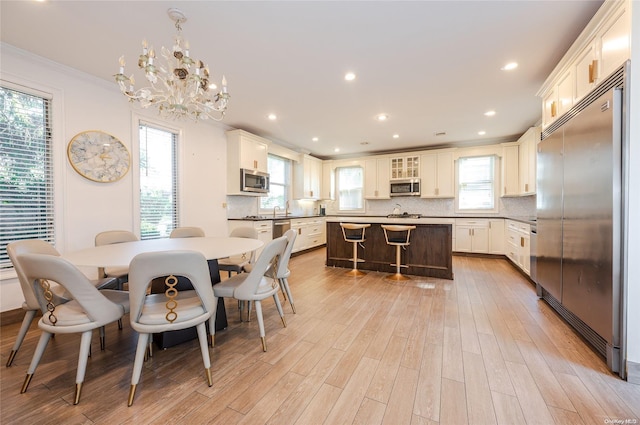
[144, 47]
[186, 48]
[122, 63]
[224, 84]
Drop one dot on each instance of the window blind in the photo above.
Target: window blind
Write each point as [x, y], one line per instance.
[158, 182]
[476, 183]
[350, 182]
[26, 170]
[279, 178]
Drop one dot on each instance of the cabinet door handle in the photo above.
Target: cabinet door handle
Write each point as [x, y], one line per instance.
[311, 193]
[526, 187]
[505, 190]
[593, 71]
[437, 191]
[255, 163]
[554, 107]
[489, 225]
[521, 241]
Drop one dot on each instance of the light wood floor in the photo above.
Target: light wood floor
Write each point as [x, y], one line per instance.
[481, 349]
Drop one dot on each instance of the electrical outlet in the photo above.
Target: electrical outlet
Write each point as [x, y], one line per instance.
[224, 205]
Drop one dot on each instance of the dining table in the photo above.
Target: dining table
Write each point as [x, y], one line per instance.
[212, 248]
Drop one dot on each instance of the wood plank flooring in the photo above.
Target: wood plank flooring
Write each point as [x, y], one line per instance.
[481, 349]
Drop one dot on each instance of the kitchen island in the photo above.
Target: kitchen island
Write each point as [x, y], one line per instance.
[430, 252]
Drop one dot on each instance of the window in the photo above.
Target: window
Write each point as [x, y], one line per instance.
[158, 182]
[350, 188]
[476, 184]
[279, 178]
[26, 170]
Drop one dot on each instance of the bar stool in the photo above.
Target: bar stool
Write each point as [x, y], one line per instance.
[354, 233]
[397, 235]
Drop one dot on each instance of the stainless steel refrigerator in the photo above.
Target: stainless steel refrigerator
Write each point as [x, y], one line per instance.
[579, 207]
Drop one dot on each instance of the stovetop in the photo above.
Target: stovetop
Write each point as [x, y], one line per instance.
[404, 215]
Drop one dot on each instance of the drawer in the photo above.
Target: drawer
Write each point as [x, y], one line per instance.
[472, 222]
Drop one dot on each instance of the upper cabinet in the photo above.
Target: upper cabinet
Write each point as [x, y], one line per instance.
[327, 190]
[244, 150]
[437, 174]
[602, 47]
[509, 168]
[376, 178]
[527, 151]
[307, 176]
[406, 167]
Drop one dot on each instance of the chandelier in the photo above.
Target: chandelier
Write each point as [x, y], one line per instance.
[180, 86]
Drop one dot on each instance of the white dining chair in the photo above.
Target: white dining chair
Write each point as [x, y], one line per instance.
[30, 305]
[237, 263]
[87, 308]
[111, 237]
[174, 309]
[187, 232]
[255, 286]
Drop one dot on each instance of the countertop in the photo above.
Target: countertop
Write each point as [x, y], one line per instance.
[385, 219]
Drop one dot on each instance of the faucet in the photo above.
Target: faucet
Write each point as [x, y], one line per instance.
[396, 210]
[274, 210]
[286, 209]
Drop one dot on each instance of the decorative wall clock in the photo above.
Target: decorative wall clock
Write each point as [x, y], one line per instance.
[98, 156]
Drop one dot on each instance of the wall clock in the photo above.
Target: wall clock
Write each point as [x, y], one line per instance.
[98, 156]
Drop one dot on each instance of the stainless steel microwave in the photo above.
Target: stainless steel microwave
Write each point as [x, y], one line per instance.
[405, 187]
[254, 181]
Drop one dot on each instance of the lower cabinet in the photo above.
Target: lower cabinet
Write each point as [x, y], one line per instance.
[517, 244]
[311, 233]
[472, 236]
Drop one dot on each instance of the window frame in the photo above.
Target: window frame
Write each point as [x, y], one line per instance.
[494, 184]
[55, 98]
[339, 206]
[177, 136]
[288, 188]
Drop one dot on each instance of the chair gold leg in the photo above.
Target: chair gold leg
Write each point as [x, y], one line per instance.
[132, 393]
[12, 356]
[284, 322]
[355, 273]
[25, 384]
[209, 378]
[264, 343]
[212, 340]
[76, 398]
[293, 307]
[120, 324]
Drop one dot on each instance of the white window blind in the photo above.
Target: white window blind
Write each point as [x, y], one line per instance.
[476, 188]
[158, 182]
[26, 170]
[279, 180]
[350, 182]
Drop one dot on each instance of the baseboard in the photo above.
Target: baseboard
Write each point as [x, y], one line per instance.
[12, 316]
[633, 373]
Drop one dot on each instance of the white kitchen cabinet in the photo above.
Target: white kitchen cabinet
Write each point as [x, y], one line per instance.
[472, 235]
[527, 152]
[311, 233]
[376, 178]
[496, 236]
[437, 175]
[406, 167]
[517, 244]
[603, 47]
[307, 174]
[509, 167]
[327, 188]
[263, 227]
[244, 150]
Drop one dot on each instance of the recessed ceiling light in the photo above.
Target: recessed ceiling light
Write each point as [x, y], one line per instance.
[364, 143]
[382, 117]
[440, 133]
[482, 133]
[350, 76]
[315, 139]
[272, 117]
[490, 113]
[336, 150]
[396, 136]
[510, 66]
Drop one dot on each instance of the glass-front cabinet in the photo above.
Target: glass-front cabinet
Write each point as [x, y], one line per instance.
[406, 167]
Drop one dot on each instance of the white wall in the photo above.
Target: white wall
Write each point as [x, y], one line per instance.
[84, 208]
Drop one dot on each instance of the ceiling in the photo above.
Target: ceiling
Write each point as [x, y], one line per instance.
[431, 66]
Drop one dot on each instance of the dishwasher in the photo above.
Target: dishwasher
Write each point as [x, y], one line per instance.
[280, 227]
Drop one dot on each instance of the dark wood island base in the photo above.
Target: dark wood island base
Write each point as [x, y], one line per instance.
[430, 252]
